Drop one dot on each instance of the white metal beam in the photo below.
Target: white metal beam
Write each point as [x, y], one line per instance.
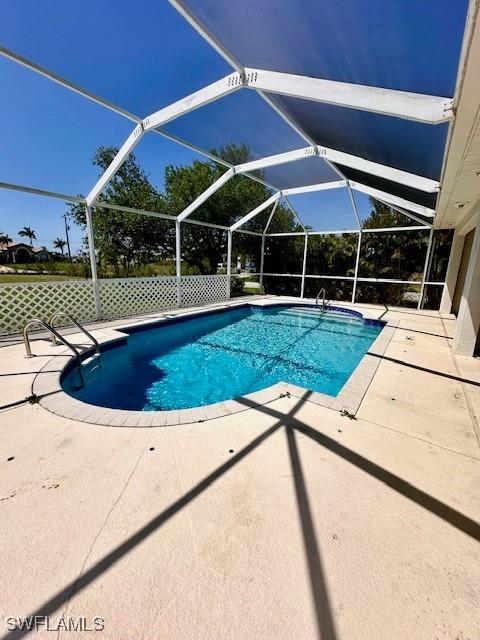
[298, 130]
[286, 233]
[40, 192]
[200, 98]
[409, 214]
[381, 170]
[393, 200]
[279, 158]
[401, 104]
[425, 269]
[205, 33]
[357, 264]
[193, 101]
[354, 206]
[115, 165]
[315, 187]
[395, 229]
[162, 216]
[54, 77]
[213, 41]
[272, 213]
[178, 261]
[346, 231]
[354, 162]
[93, 262]
[256, 211]
[262, 259]
[304, 266]
[206, 194]
[229, 262]
[50, 75]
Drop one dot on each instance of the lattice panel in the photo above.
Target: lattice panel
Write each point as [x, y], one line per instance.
[21, 302]
[197, 290]
[129, 296]
[119, 297]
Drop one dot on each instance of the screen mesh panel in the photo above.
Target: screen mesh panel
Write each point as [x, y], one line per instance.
[312, 170]
[413, 195]
[328, 210]
[391, 45]
[241, 118]
[385, 44]
[141, 56]
[394, 142]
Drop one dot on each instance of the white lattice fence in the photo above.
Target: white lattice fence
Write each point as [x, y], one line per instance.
[128, 296]
[21, 302]
[118, 297]
[197, 290]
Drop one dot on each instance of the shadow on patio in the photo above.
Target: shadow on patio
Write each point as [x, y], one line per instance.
[319, 591]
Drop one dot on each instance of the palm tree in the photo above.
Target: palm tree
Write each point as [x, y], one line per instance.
[4, 240]
[27, 232]
[59, 243]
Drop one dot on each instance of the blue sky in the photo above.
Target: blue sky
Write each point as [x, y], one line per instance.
[141, 56]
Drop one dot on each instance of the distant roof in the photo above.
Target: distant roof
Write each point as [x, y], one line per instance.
[14, 245]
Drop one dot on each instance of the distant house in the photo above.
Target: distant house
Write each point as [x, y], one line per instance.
[21, 253]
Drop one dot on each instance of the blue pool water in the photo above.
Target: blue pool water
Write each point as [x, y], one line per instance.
[224, 355]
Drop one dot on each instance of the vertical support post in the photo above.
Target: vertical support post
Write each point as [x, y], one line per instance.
[178, 262]
[425, 269]
[454, 260]
[304, 267]
[468, 319]
[354, 205]
[93, 262]
[262, 259]
[229, 261]
[67, 237]
[262, 255]
[359, 244]
[357, 262]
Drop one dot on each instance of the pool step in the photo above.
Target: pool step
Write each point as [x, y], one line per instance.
[317, 313]
[92, 363]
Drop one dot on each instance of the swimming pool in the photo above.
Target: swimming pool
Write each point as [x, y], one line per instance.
[191, 362]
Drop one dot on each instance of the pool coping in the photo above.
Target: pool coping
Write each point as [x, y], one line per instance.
[47, 382]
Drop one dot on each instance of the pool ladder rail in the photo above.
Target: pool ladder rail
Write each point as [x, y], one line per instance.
[322, 293]
[57, 338]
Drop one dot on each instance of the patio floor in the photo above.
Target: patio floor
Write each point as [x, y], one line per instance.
[284, 521]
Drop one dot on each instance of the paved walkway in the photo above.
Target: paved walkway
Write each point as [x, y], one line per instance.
[287, 521]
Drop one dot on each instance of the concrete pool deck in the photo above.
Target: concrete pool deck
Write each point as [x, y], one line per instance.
[287, 520]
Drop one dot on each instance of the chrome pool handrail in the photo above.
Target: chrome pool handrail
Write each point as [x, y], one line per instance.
[77, 324]
[58, 336]
[322, 290]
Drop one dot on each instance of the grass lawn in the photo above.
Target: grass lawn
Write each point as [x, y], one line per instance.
[6, 278]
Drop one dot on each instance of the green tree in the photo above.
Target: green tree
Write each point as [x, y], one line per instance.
[398, 255]
[27, 232]
[204, 247]
[125, 238]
